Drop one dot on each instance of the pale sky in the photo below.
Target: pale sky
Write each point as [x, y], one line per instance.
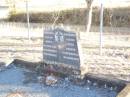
[71, 2]
[113, 3]
[75, 2]
[46, 5]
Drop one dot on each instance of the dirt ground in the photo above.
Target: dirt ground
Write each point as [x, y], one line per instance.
[21, 82]
[115, 61]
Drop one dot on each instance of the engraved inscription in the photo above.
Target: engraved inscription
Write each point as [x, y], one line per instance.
[48, 37]
[70, 34]
[50, 50]
[49, 46]
[69, 53]
[70, 58]
[70, 40]
[60, 47]
[48, 41]
[70, 49]
[50, 54]
[70, 44]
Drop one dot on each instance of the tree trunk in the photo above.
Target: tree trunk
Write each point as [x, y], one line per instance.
[89, 14]
[12, 7]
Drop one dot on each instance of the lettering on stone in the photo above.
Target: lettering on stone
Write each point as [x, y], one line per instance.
[70, 54]
[48, 41]
[60, 47]
[71, 58]
[70, 44]
[70, 49]
[47, 37]
[49, 50]
[49, 46]
[70, 40]
[49, 54]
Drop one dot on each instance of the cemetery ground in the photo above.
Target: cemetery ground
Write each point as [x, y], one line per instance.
[114, 63]
[115, 59]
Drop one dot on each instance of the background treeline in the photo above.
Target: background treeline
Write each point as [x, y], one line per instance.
[112, 17]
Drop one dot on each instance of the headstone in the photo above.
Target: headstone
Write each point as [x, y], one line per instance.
[60, 47]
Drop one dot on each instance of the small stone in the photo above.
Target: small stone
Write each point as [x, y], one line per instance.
[51, 80]
[115, 88]
[94, 84]
[40, 79]
[88, 88]
[67, 79]
[105, 86]
[88, 81]
[8, 62]
[15, 95]
[111, 88]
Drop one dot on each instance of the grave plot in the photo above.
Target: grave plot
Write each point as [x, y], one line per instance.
[17, 80]
[28, 79]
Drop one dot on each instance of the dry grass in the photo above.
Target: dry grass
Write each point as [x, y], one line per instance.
[114, 62]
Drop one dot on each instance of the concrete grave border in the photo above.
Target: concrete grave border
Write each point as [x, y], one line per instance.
[123, 86]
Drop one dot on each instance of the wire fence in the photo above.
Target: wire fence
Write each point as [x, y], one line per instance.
[118, 36]
[116, 45]
[38, 27]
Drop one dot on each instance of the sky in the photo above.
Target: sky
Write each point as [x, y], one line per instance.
[69, 2]
[61, 4]
[76, 2]
[79, 2]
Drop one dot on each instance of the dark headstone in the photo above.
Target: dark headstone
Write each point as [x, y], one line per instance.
[60, 47]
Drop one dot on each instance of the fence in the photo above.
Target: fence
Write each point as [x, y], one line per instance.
[114, 36]
[12, 27]
[116, 45]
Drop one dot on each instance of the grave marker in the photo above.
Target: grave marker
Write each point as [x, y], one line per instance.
[60, 47]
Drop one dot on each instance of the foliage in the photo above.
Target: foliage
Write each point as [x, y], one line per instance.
[117, 17]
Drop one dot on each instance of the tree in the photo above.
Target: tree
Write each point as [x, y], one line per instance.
[89, 14]
[12, 7]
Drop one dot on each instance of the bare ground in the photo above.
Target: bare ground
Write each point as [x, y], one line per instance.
[115, 61]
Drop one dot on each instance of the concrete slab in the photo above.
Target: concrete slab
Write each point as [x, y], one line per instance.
[125, 92]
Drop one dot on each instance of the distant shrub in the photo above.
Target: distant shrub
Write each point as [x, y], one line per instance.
[116, 17]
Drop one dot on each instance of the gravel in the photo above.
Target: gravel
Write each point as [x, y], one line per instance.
[12, 80]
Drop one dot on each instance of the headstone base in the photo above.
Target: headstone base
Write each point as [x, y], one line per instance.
[54, 68]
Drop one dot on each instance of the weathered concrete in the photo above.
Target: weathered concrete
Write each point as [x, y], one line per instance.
[125, 92]
[113, 83]
[41, 66]
[15, 95]
[106, 81]
[100, 80]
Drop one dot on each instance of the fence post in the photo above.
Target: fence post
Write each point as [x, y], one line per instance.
[28, 24]
[101, 27]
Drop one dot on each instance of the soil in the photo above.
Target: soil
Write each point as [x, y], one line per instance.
[13, 84]
[114, 62]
